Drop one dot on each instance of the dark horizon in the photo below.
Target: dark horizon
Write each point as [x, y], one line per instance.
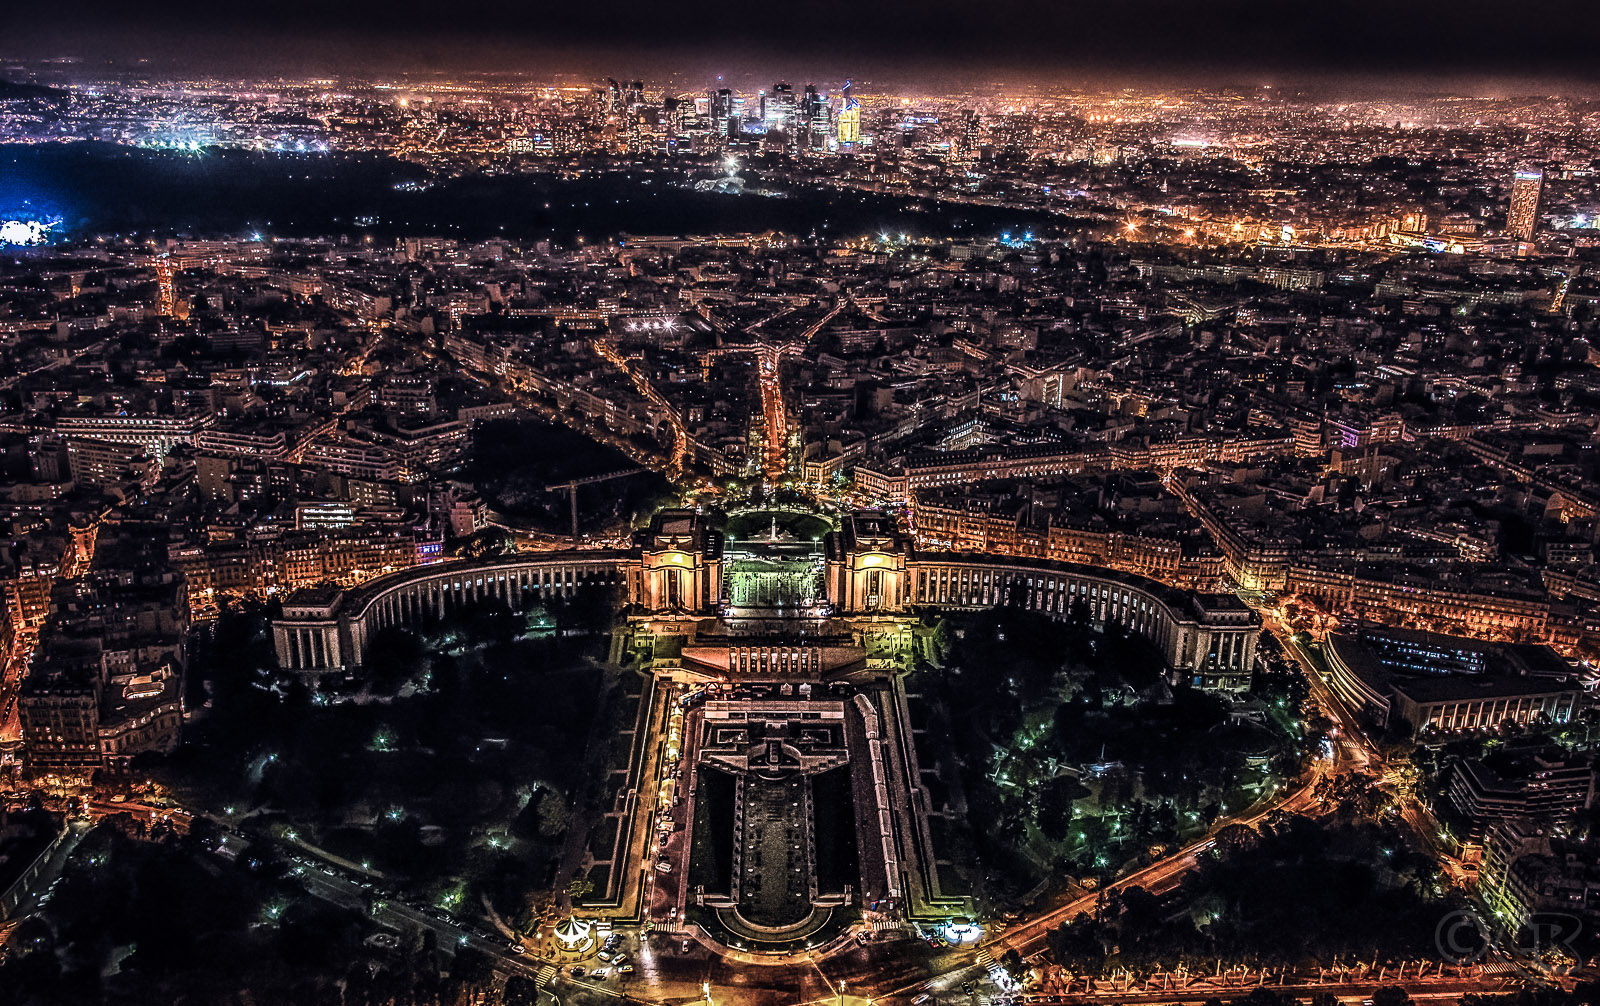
[1411, 45]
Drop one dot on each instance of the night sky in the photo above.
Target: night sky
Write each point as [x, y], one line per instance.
[1368, 39]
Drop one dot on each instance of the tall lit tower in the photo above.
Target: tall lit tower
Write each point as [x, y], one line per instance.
[778, 108]
[850, 118]
[1523, 218]
[723, 116]
[967, 144]
[818, 115]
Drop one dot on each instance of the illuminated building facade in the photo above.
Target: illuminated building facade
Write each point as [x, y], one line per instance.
[726, 112]
[676, 568]
[1527, 870]
[779, 109]
[104, 463]
[1209, 640]
[1523, 218]
[1428, 598]
[936, 469]
[850, 124]
[1449, 683]
[156, 433]
[326, 630]
[817, 115]
[942, 526]
[867, 567]
[680, 564]
[1541, 785]
[106, 682]
[165, 287]
[850, 118]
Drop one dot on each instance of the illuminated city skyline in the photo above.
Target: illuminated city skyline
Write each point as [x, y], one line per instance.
[887, 504]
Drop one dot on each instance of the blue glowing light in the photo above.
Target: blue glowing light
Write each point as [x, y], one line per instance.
[30, 209]
[19, 233]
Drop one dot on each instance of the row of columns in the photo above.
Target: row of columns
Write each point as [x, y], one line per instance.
[768, 590]
[319, 646]
[304, 648]
[982, 588]
[877, 589]
[436, 596]
[1229, 649]
[1493, 712]
[775, 660]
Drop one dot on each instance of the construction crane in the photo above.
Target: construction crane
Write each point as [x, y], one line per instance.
[572, 490]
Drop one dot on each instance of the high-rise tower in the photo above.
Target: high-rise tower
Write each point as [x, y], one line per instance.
[1523, 217]
[818, 116]
[779, 108]
[850, 118]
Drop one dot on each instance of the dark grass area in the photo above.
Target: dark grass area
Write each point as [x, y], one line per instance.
[950, 882]
[919, 712]
[838, 859]
[409, 784]
[600, 880]
[711, 856]
[146, 922]
[604, 842]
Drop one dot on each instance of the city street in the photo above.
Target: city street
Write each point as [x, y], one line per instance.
[1356, 745]
[1028, 938]
[666, 974]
